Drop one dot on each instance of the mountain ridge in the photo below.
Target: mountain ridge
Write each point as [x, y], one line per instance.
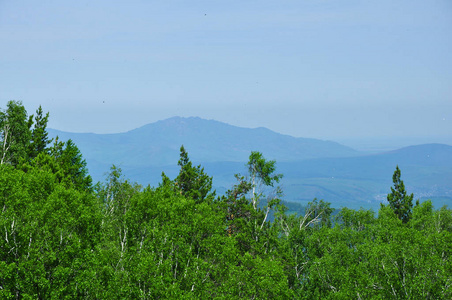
[312, 168]
[158, 143]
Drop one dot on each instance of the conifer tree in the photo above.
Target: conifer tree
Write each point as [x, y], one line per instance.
[192, 181]
[399, 201]
[72, 166]
[39, 135]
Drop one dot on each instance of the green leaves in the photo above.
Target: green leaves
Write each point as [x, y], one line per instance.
[24, 144]
[39, 135]
[72, 164]
[15, 133]
[399, 201]
[21, 139]
[261, 171]
[192, 181]
[62, 238]
[382, 258]
[48, 234]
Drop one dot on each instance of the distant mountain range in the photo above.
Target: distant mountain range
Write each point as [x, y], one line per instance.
[158, 144]
[311, 167]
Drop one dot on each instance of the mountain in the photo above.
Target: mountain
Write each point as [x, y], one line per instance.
[158, 144]
[312, 168]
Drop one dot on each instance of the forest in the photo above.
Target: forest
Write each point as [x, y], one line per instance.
[64, 236]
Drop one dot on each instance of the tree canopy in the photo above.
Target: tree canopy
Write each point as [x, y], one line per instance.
[62, 237]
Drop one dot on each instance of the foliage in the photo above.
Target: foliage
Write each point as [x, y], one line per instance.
[70, 161]
[48, 235]
[261, 172]
[192, 181]
[25, 143]
[399, 201]
[15, 133]
[62, 238]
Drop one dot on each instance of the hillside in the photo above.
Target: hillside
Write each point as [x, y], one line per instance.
[366, 180]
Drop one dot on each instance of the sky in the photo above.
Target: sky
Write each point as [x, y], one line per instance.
[339, 70]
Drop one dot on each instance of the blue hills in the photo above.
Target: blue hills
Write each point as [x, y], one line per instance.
[158, 144]
[311, 167]
[366, 180]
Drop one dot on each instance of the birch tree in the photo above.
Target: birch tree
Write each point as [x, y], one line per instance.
[261, 172]
[15, 133]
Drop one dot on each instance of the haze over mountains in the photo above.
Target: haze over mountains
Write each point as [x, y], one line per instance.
[158, 144]
[311, 167]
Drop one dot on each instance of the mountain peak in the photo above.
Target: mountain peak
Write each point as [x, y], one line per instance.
[205, 140]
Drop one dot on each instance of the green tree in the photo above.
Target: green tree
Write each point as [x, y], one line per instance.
[49, 234]
[192, 181]
[318, 212]
[245, 221]
[261, 172]
[71, 166]
[399, 201]
[22, 139]
[39, 135]
[15, 133]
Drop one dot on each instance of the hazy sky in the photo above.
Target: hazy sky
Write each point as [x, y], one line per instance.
[308, 68]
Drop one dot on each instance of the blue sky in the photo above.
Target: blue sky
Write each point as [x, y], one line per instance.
[324, 69]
